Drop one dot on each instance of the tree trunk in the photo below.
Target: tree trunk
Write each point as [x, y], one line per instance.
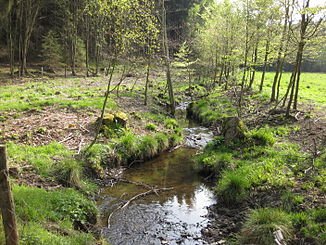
[147, 80]
[280, 51]
[167, 61]
[6, 201]
[265, 65]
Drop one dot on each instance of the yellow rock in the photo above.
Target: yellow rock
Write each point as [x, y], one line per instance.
[109, 117]
[122, 116]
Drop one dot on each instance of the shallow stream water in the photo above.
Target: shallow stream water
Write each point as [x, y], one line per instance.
[172, 217]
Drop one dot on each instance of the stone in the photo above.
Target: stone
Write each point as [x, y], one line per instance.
[233, 128]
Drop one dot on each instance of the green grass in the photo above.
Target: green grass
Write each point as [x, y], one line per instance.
[41, 157]
[312, 86]
[65, 210]
[261, 223]
[68, 93]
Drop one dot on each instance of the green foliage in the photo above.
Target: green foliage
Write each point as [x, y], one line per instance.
[40, 157]
[261, 223]
[171, 123]
[128, 147]
[162, 141]
[35, 234]
[38, 95]
[232, 187]
[34, 204]
[69, 172]
[262, 136]
[148, 147]
[291, 202]
[311, 225]
[211, 109]
[51, 50]
[151, 126]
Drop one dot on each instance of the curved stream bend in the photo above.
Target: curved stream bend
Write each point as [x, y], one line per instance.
[173, 217]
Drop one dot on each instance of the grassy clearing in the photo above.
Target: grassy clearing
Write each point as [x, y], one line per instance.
[68, 93]
[312, 86]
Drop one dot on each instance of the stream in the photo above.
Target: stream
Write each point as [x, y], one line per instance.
[172, 217]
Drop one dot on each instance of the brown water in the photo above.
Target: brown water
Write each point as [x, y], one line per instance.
[175, 217]
[172, 217]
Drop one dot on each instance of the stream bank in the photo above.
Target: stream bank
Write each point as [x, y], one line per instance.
[173, 217]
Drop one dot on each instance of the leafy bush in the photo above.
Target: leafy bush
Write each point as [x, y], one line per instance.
[261, 223]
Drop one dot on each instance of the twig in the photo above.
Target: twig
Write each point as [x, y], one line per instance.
[177, 147]
[135, 161]
[65, 139]
[80, 146]
[83, 128]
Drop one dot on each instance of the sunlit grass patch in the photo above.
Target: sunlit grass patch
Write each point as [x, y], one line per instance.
[312, 86]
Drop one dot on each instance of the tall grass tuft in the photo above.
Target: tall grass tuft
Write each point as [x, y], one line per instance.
[261, 223]
[232, 187]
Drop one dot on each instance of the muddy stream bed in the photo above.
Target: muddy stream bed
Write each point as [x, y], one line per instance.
[172, 217]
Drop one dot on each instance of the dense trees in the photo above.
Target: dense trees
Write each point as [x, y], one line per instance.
[231, 39]
[248, 35]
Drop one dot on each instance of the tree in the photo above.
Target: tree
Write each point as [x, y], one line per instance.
[51, 50]
[308, 28]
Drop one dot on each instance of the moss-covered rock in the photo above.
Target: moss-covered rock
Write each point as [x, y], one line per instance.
[233, 128]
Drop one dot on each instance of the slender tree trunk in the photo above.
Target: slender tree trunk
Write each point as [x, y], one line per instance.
[99, 126]
[147, 79]
[255, 57]
[265, 65]
[167, 60]
[280, 51]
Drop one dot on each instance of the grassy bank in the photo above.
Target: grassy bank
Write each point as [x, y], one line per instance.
[261, 163]
[47, 125]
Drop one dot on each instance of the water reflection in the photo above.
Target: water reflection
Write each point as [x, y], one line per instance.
[176, 217]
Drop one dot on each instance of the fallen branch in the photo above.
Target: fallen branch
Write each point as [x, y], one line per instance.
[65, 139]
[80, 146]
[83, 128]
[153, 191]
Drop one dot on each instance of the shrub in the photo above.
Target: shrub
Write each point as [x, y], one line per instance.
[261, 223]
[127, 147]
[69, 172]
[175, 140]
[51, 49]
